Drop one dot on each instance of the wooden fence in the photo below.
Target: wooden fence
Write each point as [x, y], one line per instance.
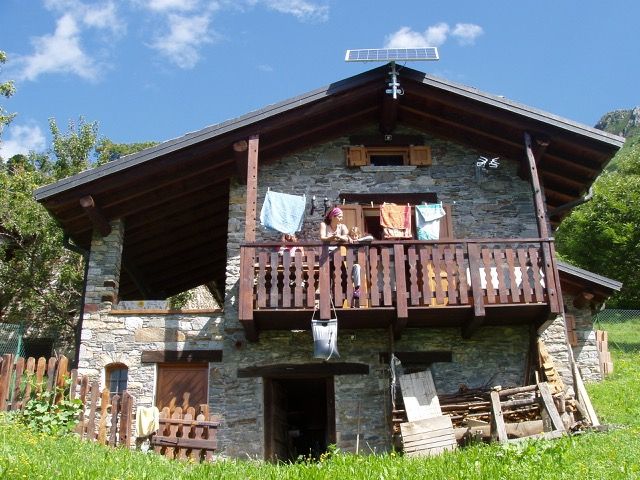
[105, 418]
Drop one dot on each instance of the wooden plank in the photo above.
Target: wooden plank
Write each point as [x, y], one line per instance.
[102, 424]
[583, 397]
[276, 283]
[476, 283]
[5, 377]
[51, 373]
[412, 261]
[550, 407]
[463, 287]
[501, 274]
[387, 293]
[311, 277]
[538, 196]
[425, 265]
[337, 263]
[262, 280]
[298, 289]
[82, 397]
[428, 436]
[245, 305]
[487, 259]
[437, 274]
[498, 429]
[16, 401]
[401, 290]
[537, 279]
[525, 281]
[177, 443]
[115, 408]
[452, 294]
[324, 284]
[373, 269]
[252, 189]
[90, 432]
[509, 255]
[420, 396]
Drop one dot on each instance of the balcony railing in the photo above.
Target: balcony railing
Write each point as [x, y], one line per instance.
[406, 277]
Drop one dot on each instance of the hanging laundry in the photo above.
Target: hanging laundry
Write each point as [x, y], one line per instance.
[147, 421]
[395, 220]
[428, 221]
[283, 212]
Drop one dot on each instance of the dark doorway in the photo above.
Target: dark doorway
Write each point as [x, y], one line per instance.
[299, 417]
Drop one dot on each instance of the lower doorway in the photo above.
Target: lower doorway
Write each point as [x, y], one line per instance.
[299, 417]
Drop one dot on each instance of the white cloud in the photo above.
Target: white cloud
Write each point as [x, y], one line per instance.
[301, 9]
[59, 53]
[467, 33]
[171, 5]
[22, 139]
[186, 35]
[103, 17]
[434, 36]
[265, 68]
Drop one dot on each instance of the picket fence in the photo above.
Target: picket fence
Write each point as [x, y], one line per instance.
[105, 418]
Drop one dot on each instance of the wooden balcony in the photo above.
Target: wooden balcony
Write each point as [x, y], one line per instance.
[464, 283]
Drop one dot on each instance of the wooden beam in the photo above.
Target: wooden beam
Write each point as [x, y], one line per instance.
[252, 190]
[401, 288]
[538, 196]
[240, 154]
[583, 300]
[161, 356]
[304, 370]
[498, 429]
[422, 358]
[97, 218]
[388, 114]
[245, 293]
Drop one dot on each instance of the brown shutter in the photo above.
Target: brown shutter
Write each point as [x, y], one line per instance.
[446, 224]
[419, 155]
[356, 156]
[353, 217]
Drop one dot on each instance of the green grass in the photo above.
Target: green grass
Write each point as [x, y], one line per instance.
[612, 455]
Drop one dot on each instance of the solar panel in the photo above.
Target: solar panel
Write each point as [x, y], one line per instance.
[391, 54]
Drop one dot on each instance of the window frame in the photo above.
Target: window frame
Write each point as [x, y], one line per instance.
[109, 370]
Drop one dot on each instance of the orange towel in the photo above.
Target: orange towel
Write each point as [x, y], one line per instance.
[396, 220]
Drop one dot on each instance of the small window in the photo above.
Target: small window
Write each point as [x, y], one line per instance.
[116, 376]
[358, 156]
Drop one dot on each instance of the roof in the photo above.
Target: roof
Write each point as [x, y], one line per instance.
[589, 279]
[174, 196]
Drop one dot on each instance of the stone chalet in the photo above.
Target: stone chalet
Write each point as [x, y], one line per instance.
[470, 305]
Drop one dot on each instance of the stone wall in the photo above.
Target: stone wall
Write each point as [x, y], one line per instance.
[586, 352]
[494, 203]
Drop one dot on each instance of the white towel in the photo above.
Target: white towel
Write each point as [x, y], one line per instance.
[283, 212]
[428, 221]
[147, 421]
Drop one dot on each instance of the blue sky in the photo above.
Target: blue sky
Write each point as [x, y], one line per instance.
[157, 69]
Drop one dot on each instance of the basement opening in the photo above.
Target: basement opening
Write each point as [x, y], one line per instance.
[299, 417]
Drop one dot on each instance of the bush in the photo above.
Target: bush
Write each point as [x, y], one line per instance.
[44, 414]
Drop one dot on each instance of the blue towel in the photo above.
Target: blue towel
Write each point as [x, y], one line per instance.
[283, 212]
[428, 221]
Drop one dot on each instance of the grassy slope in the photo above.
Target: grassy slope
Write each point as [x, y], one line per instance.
[614, 455]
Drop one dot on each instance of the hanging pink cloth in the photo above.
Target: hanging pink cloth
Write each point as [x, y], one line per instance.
[395, 220]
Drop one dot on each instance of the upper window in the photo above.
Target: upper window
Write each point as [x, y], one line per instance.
[116, 376]
[358, 156]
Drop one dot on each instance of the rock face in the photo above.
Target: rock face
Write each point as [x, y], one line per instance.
[625, 123]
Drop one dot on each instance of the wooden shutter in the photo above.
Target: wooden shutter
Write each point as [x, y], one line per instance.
[419, 155]
[571, 330]
[446, 224]
[356, 156]
[182, 385]
[353, 217]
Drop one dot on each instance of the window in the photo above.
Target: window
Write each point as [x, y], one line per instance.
[116, 376]
[358, 156]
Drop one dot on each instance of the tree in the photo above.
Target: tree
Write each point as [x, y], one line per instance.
[603, 235]
[6, 90]
[40, 280]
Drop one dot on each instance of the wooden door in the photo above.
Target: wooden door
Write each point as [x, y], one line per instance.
[182, 385]
[276, 424]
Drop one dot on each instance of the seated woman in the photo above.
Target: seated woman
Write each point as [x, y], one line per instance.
[333, 230]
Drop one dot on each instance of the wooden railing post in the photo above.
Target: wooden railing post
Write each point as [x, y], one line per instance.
[245, 293]
[476, 289]
[401, 290]
[324, 283]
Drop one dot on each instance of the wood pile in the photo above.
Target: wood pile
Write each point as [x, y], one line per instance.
[604, 356]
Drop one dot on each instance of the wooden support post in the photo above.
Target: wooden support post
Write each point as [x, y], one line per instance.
[245, 303]
[498, 429]
[252, 190]
[402, 311]
[324, 283]
[476, 289]
[538, 199]
[99, 221]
